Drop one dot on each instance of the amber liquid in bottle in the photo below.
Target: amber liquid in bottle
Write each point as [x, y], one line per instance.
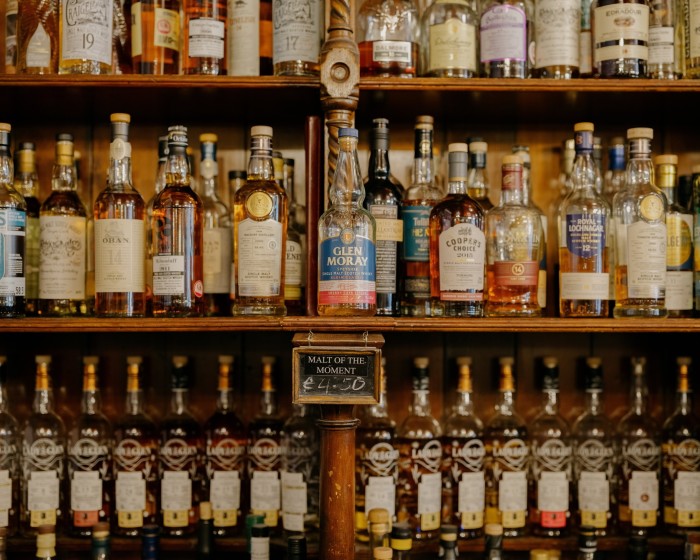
[155, 36]
[37, 37]
[203, 52]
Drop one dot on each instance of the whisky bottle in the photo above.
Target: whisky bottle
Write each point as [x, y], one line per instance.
[507, 459]
[13, 225]
[119, 233]
[594, 456]
[557, 31]
[379, 529]
[639, 462]
[90, 442]
[448, 542]
[121, 38]
[388, 38]
[37, 37]
[584, 220]
[505, 35]
[383, 199]
[665, 40]
[63, 239]
[11, 37]
[420, 456]
[260, 212]
[159, 185]
[401, 541]
[376, 461]
[514, 248]
[226, 441]
[205, 532]
[679, 240]
[347, 240]
[265, 452]
[417, 203]
[9, 460]
[463, 483]
[295, 253]
[620, 38]
[449, 40]
[177, 234]
[457, 246]
[478, 182]
[297, 38]
[46, 542]
[639, 211]
[551, 458]
[155, 36]
[100, 544]
[587, 544]
[204, 37]
[493, 541]
[43, 457]
[691, 42]
[218, 234]
[85, 33]
[181, 458]
[680, 447]
[249, 38]
[135, 459]
[26, 182]
[614, 178]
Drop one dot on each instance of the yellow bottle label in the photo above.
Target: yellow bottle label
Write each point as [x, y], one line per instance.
[596, 519]
[43, 517]
[136, 46]
[670, 515]
[643, 518]
[225, 518]
[473, 519]
[130, 519]
[429, 521]
[360, 521]
[176, 518]
[513, 519]
[493, 515]
[688, 518]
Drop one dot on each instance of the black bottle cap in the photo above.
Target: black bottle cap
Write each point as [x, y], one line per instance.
[260, 530]
[401, 531]
[550, 373]
[296, 546]
[180, 376]
[237, 174]
[586, 539]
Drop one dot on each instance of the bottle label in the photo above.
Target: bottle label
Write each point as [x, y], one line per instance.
[380, 492]
[225, 497]
[512, 499]
[510, 273]
[399, 52]
[86, 497]
[585, 50]
[31, 259]
[260, 548]
[265, 495]
[5, 497]
[471, 499]
[679, 261]
[462, 252]
[39, 49]
[452, 45]
[206, 38]
[389, 235]
[243, 38]
[43, 496]
[136, 30]
[686, 497]
[130, 490]
[294, 501]
[692, 24]
[557, 24]
[347, 270]
[644, 246]
[119, 256]
[503, 34]
[615, 26]
[644, 498]
[416, 220]
[217, 259]
[661, 45]
[260, 254]
[176, 498]
[429, 496]
[293, 270]
[86, 30]
[584, 236]
[63, 257]
[296, 31]
[166, 29]
[594, 498]
[13, 225]
[168, 275]
[679, 290]
[553, 498]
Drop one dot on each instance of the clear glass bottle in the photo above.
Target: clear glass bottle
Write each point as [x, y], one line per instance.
[557, 33]
[85, 32]
[620, 38]
[63, 238]
[159, 185]
[121, 37]
[505, 38]
[679, 240]
[249, 38]
[295, 254]
[383, 199]
[639, 211]
[203, 37]
[457, 245]
[260, 213]
[420, 456]
[478, 183]
[90, 442]
[639, 462]
[347, 240]
[155, 36]
[11, 37]
[463, 483]
[297, 35]
[680, 447]
[585, 41]
[119, 213]
[135, 459]
[507, 458]
[43, 457]
[388, 33]
[37, 37]
[665, 39]
[177, 232]
[10, 461]
[449, 39]
[584, 220]
[614, 178]
[379, 529]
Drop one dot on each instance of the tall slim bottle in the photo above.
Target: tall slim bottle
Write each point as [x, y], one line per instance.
[204, 37]
[85, 33]
[557, 34]
[37, 37]
[159, 185]
[177, 232]
[478, 182]
[155, 36]
[10, 461]
[119, 233]
[614, 178]
[295, 248]
[249, 38]
[666, 40]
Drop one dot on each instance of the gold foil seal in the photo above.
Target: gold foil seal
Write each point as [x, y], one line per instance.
[268, 362]
[464, 384]
[683, 369]
[205, 511]
[133, 367]
[90, 373]
[208, 137]
[506, 381]
[64, 152]
[42, 372]
[225, 363]
[26, 161]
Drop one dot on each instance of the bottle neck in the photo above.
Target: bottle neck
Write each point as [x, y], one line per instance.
[423, 170]
[43, 401]
[684, 402]
[347, 188]
[268, 403]
[464, 405]
[134, 402]
[260, 165]
[63, 178]
[119, 174]
[379, 167]
[594, 402]
[179, 401]
[640, 170]
[639, 395]
[224, 401]
[421, 403]
[91, 401]
[456, 186]
[6, 167]
[506, 405]
[584, 175]
[380, 409]
[177, 168]
[550, 402]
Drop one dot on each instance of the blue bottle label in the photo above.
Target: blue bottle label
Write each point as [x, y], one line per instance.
[347, 270]
[585, 235]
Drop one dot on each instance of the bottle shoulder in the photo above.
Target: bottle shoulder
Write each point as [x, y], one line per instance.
[419, 427]
[177, 196]
[63, 203]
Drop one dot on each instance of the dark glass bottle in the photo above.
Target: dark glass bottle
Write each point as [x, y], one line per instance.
[9, 460]
[101, 544]
[205, 532]
[150, 542]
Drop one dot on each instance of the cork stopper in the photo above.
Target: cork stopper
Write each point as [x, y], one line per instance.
[64, 149]
[425, 122]
[666, 159]
[633, 133]
[5, 127]
[584, 127]
[382, 553]
[378, 515]
[512, 159]
[90, 372]
[478, 147]
[26, 157]
[464, 384]
[120, 118]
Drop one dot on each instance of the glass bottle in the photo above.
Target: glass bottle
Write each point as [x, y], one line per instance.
[297, 35]
[557, 33]
[507, 459]
[680, 447]
[379, 529]
[620, 38]
[691, 42]
[665, 39]
[383, 199]
[493, 541]
[46, 542]
[181, 458]
[85, 33]
[26, 182]
[420, 457]
[296, 547]
[9, 460]
[550, 466]
[121, 37]
[236, 179]
[43, 457]
[347, 240]
[119, 233]
[448, 542]
[11, 37]
[203, 40]
[159, 185]
[100, 544]
[692, 546]
[639, 211]
[679, 240]
[90, 442]
[225, 463]
[388, 38]
[37, 37]
[295, 253]
[587, 544]
[615, 175]
[135, 458]
[177, 231]
[205, 533]
[514, 248]
[585, 41]
[639, 460]
[449, 39]
[478, 183]
[13, 225]
[63, 238]
[417, 203]
[260, 542]
[505, 37]
[155, 36]
[457, 245]
[401, 541]
[150, 542]
[463, 485]
[584, 220]
[265, 451]
[249, 38]
[260, 212]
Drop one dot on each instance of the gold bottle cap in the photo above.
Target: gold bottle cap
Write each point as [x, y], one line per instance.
[593, 361]
[512, 159]
[666, 159]
[425, 119]
[382, 553]
[208, 137]
[133, 365]
[421, 362]
[584, 127]
[506, 381]
[261, 130]
[225, 363]
[493, 529]
[464, 384]
[647, 133]
[65, 152]
[478, 147]
[120, 117]
[26, 160]
[683, 367]
[180, 361]
[205, 511]
[90, 373]
[268, 363]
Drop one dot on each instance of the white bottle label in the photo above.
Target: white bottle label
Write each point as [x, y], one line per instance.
[593, 492]
[259, 258]
[389, 234]
[617, 22]
[296, 30]
[504, 34]
[39, 49]
[462, 253]
[429, 493]
[471, 492]
[260, 548]
[168, 275]
[43, 491]
[130, 491]
[294, 501]
[557, 26]
[63, 257]
[119, 256]
[392, 51]
[644, 491]
[176, 491]
[136, 30]
[686, 491]
[294, 264]
[584, 285]
[11, 33]
[244, 37]
[86, 491]
[206, 38]
[265, 491]
[661, 45]
[553, 492]
[86, 30]
[380, 492]
[218, 247]
[452, 45]
[225, 492]
[646, 260]
[512, 491]
[679, 290]
[5, 497]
